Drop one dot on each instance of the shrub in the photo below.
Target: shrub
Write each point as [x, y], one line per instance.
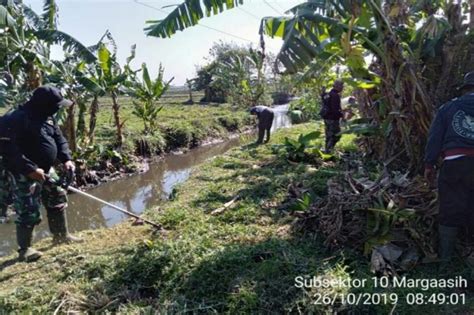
[309, 104]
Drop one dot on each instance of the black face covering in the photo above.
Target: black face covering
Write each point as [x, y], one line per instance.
[45, 102]
[41, 110]
[53, 110]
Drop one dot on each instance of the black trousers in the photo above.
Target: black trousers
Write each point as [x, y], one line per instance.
[456, 193]
[265, 122]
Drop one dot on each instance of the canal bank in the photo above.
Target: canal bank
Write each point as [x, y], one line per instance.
[244, 259]
[138, 192]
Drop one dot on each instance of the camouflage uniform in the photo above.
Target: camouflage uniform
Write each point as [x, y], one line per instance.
[30, 194]
[5, 190]
[332, 130]
[27, 196]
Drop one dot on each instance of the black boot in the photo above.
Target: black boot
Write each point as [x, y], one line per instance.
[24, 235]
[58, 227]
[447, 242]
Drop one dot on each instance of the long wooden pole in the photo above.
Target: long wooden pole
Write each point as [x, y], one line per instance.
[80, 192]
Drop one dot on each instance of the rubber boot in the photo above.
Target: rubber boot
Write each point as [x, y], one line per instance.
[447, 242]
[58, 227]
[24, 235]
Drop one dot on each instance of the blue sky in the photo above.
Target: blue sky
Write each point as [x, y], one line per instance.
[87, 21]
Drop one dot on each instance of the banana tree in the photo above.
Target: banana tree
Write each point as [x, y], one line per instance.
[25, 41]
[113, 78]
[147, 92]
[65, 75]
[94, 83]
[243, 77]
[188, 14]
[408, 43]
[257, 76]
[92, 78]
[190, 86]
[321, 32]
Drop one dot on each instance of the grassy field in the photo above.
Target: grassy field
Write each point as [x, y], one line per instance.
[180, 126]
[243, 260]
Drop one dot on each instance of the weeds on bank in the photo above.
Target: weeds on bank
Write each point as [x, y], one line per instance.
[243, 260]
[179, 126]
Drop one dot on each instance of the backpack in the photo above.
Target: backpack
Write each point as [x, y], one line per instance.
[5, 129]
[325, 105]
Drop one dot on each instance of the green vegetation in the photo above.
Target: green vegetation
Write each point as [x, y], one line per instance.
[305, 108]
[102, 89]
[235, 74]
[178, 126]
[147, 93]
[416, 47]
[242, 260]
[247, 223]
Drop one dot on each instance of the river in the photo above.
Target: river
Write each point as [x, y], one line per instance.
[135, 193]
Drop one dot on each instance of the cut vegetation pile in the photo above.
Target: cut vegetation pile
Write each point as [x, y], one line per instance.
[392, 218]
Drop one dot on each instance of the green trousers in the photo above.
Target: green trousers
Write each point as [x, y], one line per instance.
[28, 196]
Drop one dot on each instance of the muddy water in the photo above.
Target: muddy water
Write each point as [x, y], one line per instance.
[135, 193]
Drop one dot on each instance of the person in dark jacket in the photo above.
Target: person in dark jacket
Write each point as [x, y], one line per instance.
[451, 137]
[30, 144]
[333, 116]
[265, 117]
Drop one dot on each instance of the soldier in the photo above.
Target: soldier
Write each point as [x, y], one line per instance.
[265, 117]
[452, 137]
[331, 112]
[30, 144]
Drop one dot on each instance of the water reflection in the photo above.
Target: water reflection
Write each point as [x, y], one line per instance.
[135, 193]
[281, 120]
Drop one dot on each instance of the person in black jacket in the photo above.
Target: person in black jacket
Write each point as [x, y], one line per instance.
[30, 144]
[265, 117]
[333, 116]
[451, 137]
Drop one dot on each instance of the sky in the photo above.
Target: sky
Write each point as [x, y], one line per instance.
[87, 20]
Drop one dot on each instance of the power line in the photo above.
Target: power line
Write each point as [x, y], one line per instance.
[278, 5]
[273, 8]
[202, 25]
[249, 13]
